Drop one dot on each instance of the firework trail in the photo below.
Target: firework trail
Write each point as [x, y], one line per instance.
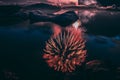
[66, 50]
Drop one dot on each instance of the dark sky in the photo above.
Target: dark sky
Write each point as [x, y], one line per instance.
[109, 2]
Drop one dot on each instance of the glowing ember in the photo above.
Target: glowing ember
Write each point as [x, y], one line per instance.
[66, 50]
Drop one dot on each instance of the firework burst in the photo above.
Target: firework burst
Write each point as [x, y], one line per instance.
[66, 50]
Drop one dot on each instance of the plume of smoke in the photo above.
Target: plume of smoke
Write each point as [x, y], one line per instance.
[87, 15]
[87, 2]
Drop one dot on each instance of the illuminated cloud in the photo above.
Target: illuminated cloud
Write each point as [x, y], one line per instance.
[86, 15]
[87, 2]
[63, 1]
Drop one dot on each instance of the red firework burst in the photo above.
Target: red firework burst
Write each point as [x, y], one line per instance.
[66, 50]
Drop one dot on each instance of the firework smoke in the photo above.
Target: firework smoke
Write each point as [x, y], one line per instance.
[86, 15]
[66, 50]
[63, 1]
[87, 2]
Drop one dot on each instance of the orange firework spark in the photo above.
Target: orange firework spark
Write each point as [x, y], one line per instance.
[66, 50]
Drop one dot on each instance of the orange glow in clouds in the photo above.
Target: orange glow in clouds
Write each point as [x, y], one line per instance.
[66, 50]
[64, 1]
